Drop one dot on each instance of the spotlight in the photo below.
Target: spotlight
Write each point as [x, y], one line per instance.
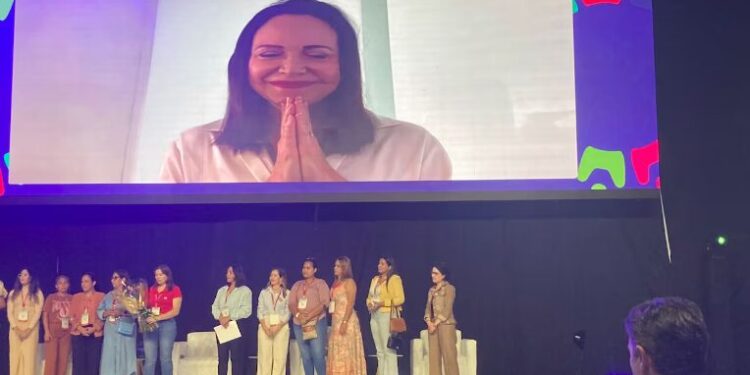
[721, 240]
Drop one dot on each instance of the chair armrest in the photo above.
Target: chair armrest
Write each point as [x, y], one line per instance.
[179, 350]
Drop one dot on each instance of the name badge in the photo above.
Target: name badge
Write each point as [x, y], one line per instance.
[85, 318]
[155, 311]
[65, 322]
[302, 303]
[225, 312]
[332, 307]
[23, 316]
[273, 319]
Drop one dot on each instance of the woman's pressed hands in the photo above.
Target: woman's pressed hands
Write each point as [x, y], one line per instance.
[287, 166]
[315, 167]
[299, 155]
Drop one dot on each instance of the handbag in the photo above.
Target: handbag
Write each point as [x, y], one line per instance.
[397, 323]
[310, 331]
[395, 341]
[125, 328]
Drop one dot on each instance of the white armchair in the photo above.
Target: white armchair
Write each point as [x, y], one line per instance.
[467, 355]
[199, 355]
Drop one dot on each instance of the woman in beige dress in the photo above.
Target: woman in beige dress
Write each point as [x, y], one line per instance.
[25, 304]
[346, 354]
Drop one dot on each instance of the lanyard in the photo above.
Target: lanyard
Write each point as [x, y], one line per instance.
[226, 296]
[24, 298]
[305, 286]
[275, 301]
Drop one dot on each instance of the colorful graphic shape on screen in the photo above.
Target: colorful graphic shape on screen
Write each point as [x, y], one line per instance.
[615, 97]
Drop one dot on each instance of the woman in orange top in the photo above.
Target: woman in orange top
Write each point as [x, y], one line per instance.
[56, 321]
[87, 329]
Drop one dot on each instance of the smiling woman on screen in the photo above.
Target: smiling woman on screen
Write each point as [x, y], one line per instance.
[295, 112]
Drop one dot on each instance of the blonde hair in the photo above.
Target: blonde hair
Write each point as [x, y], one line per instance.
[346, 267]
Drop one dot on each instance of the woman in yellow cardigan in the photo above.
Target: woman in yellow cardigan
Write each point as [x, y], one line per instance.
[386, 293]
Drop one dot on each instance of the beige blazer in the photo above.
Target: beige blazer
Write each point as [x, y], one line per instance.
[440, 304]
[400, 152]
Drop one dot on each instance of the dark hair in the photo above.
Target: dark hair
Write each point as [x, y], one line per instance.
[346, 267]
[33, 286]
[90, 275]
[443, 268]
[240, 279]
[57, 279]
[392, 264]
[168, 272]
[139, 282]
[312, 261]
[124, 275]
[249, 124]
[672, 331]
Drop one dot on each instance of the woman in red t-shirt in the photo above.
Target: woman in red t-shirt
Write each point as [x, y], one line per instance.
[165, 301]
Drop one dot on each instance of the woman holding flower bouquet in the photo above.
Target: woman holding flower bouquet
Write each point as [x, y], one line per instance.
[164, 302]
[118, 351]
[234, 302]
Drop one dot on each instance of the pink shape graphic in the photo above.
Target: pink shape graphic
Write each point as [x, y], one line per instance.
[589, 3]
[642, 159]
[2, 185]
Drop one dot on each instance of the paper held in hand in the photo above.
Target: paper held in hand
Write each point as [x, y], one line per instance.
[231, 332]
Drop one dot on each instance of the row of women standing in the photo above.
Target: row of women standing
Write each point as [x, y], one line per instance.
[102, 333]
[305, 306]
[98, 331]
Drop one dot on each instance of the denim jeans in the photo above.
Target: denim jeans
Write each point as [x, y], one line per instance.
[159, 343]
[313, 351]
[380, 324]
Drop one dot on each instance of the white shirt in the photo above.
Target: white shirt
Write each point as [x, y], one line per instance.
[399, 152]
[239, 303]
[267, 307]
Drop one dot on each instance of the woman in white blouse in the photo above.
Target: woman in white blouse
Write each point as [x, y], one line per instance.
[234, 302]
[296, 113]
[273, 330]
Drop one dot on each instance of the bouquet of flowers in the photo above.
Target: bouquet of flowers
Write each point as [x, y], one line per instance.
[134, 304]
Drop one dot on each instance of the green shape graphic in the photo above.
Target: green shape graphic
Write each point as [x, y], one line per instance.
[575, 7]
[598, 187]
[612, 162]
[5, 6]
[6, 157]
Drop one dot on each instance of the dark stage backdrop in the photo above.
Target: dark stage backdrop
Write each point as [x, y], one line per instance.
[528, 275]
